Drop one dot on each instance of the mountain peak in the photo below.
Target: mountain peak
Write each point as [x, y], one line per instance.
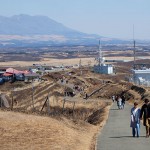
[30, 25]
[25, 16]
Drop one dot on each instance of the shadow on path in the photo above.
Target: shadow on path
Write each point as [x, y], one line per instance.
[126, 137]
[114, 109]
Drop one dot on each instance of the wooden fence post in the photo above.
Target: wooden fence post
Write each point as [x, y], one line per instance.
[73, 108]
[12, 101]
[48, 105]
[44, 103]
[63, 105]
[32, 95]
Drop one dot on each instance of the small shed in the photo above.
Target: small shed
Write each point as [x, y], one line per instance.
[31, 76]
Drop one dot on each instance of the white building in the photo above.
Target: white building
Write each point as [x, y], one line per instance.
[141, 76]
[101, 67]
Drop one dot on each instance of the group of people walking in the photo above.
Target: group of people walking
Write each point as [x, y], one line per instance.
[120, 101]
[138, 114]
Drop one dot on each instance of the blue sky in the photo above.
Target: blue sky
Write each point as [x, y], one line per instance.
[110, 18]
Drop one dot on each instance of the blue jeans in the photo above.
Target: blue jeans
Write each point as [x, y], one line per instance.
[123, 105]
[136, 130]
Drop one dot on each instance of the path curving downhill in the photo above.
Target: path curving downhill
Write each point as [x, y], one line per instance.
[117, 134]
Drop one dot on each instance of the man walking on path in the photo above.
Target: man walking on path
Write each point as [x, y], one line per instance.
[145, 115]
[135, 120]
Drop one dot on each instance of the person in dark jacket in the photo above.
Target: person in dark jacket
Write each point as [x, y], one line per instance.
[148, 119]
[145, 112]
[123, 101]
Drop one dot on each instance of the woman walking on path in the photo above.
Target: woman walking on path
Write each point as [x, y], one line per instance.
[135, 120]
[145, 115]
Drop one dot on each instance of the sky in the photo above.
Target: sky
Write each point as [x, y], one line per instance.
[109, 18]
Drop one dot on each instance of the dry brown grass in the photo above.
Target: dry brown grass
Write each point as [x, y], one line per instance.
[49, 61]
[21, 131]
[73, 61]
[63, 131]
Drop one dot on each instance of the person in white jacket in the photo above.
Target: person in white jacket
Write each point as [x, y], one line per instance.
[135, 120]
[119, 102]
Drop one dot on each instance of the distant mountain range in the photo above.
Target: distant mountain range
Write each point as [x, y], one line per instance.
[25, 30]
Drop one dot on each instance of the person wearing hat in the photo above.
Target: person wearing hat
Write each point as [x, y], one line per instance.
[135, 120]
[145, 115]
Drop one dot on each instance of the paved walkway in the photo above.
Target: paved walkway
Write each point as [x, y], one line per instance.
[117, 134]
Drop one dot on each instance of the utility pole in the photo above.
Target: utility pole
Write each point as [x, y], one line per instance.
[134, 50]
[12, 92]
[32, 94]
[80, 65]
[100, 59]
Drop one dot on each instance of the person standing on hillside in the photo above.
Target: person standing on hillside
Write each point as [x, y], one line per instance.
[135, 120]
[145, 115]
